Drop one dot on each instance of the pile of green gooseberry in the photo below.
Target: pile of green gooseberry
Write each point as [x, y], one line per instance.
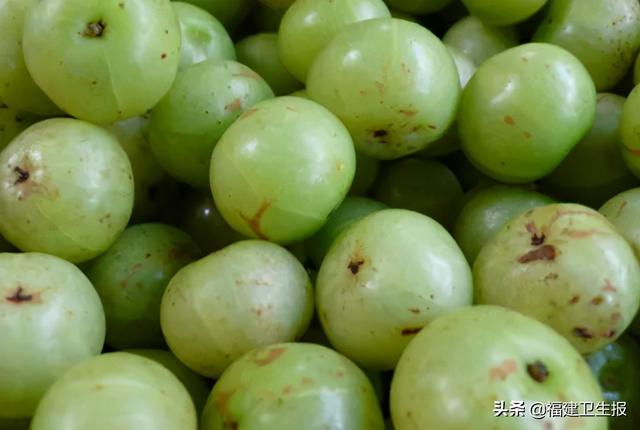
[319, 214]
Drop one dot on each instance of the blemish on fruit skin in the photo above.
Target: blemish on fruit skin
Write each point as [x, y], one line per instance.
[408, 112]
[23, 175]
[222, 402]
[272, 355]
[583, 333]
[233, 105]
[414, 310]
[543, 253]
[287, 389]
[538, 371]
[608, 286]
[503, 370]
[248, 113]
[410, 331]
[94, 29]
[306, 381]
[597, 300]
[354, 266]
[163, 56]
[380, 133]
[609, 334]
[622, 206]
[508, 119]
[247, 74]
[19, 296]
[254, 222]
[575, 299]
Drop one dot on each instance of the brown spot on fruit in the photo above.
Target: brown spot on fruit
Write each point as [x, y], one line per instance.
[615, 317]
[414, 310]
[575, 299]
[163, 55]
[551, 277]
[622, 206]
[508, 119]
[380, 87]
[583, 333]
[19, 296]
[222, 403]
[354, 266]
[608, 286]
[503, 370]
[527, 135]
[94, 29]
[233, 105]
[408, 112]
[23, 175]
[581, 234]
[98, 387]
[254, 222]
[597, 300]
[432, 127]
[306, 381]
[609, 334]
[272, 355]
[247, 74]
[543, 253]
[410, 331]
[378, 134]
[339, 374]
[538, 371]
[287, 389]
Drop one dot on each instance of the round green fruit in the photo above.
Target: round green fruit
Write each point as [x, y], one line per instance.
[293, 386]
[623, 211]
[594, 170]
[67, 189]
[116, 390]
[131, 277]
[392, 83]
[567, 266]
[17, 88]
[385, 278]
[260, 53]
[478, 40]
[281, 168]
[249, 294]
[503, 12]
[603, 34]
[488, 210]
[203, 36]
[50, 319]
[205, 99]
[507, 356]
[628, 131]
[309, 25]
[102, 61]
[424, 186]
[524, 110]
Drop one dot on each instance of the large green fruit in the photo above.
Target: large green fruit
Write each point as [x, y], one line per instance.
[524, 110]
[293, 386]
[455, 371]
[594, 171]
[50, 319]
[603, 34]
[102, 61]
[131, 277]
[309, 25]
[391, 82]
[118, 390]
[487, 210]
[205, 99]
[567, 266]
[623, 211]
[249, 294]
[67, 189]
[281, 168]
[383, 279]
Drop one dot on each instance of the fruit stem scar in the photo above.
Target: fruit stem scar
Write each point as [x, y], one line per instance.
[19, 296]
[94, 29]
[23, 175]
[538, 371]
[354, 266]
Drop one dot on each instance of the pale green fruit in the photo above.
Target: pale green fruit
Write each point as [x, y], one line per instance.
[567, 266]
